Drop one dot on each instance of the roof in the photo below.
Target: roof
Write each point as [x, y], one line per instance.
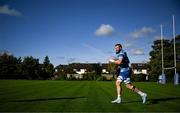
[80, 65]
[139, 66]
[104, 66]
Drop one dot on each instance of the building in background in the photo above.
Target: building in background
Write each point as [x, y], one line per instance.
[139, 68]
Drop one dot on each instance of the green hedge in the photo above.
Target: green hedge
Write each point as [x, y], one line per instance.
[138, 77]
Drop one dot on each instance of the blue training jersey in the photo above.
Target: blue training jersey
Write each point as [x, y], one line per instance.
[125, 60]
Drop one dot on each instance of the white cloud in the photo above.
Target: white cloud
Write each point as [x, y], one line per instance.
[144, 31]
[5, 9]
[138, 51]
[60, 57]
[105, 30]
[127, 45]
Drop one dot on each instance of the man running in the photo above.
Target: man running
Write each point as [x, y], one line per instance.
[124, 74]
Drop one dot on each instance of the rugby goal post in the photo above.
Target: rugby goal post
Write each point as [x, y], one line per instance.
[162, 77]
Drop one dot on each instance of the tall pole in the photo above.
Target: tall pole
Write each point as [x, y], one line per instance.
[176, 75]
[163, 77]
[162, 55]
[174, 45]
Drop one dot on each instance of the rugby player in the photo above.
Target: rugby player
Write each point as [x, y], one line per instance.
[122, 61]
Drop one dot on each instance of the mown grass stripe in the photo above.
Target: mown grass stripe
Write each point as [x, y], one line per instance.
[84, 96]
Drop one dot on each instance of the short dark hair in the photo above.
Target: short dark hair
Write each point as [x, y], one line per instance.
[118, 45]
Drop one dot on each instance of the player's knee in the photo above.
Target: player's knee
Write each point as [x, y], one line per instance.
[130, 86]
[118, 83]
[133, 88]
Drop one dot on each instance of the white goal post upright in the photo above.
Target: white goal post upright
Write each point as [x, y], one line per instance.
[163, 77]
[176, 76]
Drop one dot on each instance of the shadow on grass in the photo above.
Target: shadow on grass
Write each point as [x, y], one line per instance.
[126, 102]
[154, 101]
[47, 99]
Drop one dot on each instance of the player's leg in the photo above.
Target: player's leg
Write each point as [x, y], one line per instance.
[118, 83]
[118, 90]
[134, 89]
[129, 85]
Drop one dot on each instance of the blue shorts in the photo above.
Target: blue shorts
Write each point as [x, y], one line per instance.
[124, 76]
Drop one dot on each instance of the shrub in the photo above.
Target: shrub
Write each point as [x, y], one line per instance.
[138, 77]
[102, 78]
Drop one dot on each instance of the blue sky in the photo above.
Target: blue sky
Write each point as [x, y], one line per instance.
[84, 30]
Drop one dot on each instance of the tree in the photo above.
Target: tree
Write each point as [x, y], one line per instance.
[9, 66]
[48, 69]
[30, 68]
[97, 70]
[113, 69]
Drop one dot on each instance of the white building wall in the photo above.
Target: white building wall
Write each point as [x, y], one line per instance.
[104, 71]
[82, 71]
[140, 71]
[144, 71]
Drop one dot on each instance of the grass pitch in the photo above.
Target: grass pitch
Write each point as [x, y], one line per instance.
[84, 96]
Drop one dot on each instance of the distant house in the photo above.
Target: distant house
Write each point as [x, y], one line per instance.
[78, 69]
[139, 68]
[80, 76]
[104, 68]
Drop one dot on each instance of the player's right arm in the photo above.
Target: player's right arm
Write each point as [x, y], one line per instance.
[117, 61]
